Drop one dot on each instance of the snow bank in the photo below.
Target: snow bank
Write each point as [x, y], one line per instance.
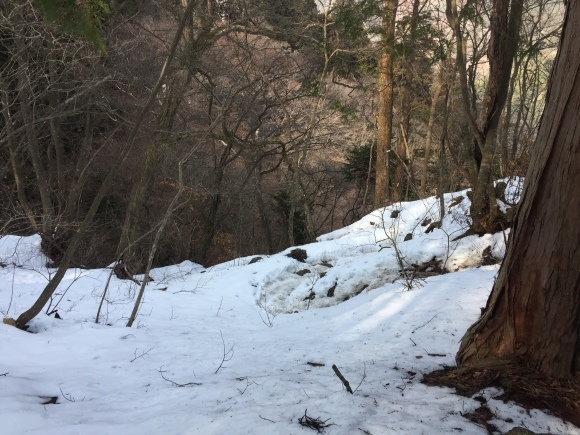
[247, 348]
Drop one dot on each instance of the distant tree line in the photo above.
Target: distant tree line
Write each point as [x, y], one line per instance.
[271, 121]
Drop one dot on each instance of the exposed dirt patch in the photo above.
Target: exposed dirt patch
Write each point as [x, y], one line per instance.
[528, 388]
[482, 416]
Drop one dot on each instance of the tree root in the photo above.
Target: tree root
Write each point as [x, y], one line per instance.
[528, 388]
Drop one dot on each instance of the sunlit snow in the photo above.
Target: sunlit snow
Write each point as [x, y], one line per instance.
[225, 350]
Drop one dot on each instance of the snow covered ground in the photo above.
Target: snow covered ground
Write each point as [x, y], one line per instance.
[226, 350]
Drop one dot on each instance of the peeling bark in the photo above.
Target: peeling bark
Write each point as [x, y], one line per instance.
[532, 315]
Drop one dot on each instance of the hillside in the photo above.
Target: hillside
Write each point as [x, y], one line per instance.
[247, 346]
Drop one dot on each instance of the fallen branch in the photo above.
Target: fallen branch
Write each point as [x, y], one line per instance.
[189, 384]
[424, 324]
[68, 397]
[438, 355]
[314, 423]
[344, 381]
[364, 376]
[219, 308]
[143, 354]
[247, 385]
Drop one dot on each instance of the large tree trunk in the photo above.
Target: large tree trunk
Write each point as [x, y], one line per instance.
[531, 317]
[385, 116]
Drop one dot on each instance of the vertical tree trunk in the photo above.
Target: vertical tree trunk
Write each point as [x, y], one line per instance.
[505, 163]
[531, 317]
[26, 100]
[430, 125]
[441, 182]
[264, 221]
[133, 227]
[505, 27]
[406, 98]
[385, 116]
[71, 249]
[16, 164]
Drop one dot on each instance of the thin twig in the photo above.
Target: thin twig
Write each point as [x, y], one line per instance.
[247, 385]
[189, 384]
[70, 398]
[267, 419]
[314, 423]
[12, 289]
[143, 354]
[363, 378]
[227, 355]
[424, 324]
[220, 307]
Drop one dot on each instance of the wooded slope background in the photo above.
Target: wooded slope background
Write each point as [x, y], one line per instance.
[265, 129]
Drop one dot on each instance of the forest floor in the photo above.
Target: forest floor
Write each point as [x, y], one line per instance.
[251, 346]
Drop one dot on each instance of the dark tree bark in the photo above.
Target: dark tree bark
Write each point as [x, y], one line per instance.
[430, 126]
[532, 316]
[505, 28]
[409, 62]
[385, 115]
[44, 297]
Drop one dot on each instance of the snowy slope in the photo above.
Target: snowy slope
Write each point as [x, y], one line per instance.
[167, 375]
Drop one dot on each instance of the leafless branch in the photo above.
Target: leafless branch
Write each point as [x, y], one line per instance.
[142, 355]
[227, 356]
[188, 384]
[363, 378]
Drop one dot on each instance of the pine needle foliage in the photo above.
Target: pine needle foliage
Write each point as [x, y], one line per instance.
[80, 17]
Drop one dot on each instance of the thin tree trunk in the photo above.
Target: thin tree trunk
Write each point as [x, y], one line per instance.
[505, 27]
[134, 220]
[304, 200]
[430, 125]
[68, 255]
[262, 210]
[159, 233]
[406, 98]
[56, 139]
[81, 172]
[368, 179]
[16, 165]
[441, 184]
[505, 127]
[26, 102]
[455, 23]
[385, 115]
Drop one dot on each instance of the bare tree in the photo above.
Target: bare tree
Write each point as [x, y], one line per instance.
[71, 249]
